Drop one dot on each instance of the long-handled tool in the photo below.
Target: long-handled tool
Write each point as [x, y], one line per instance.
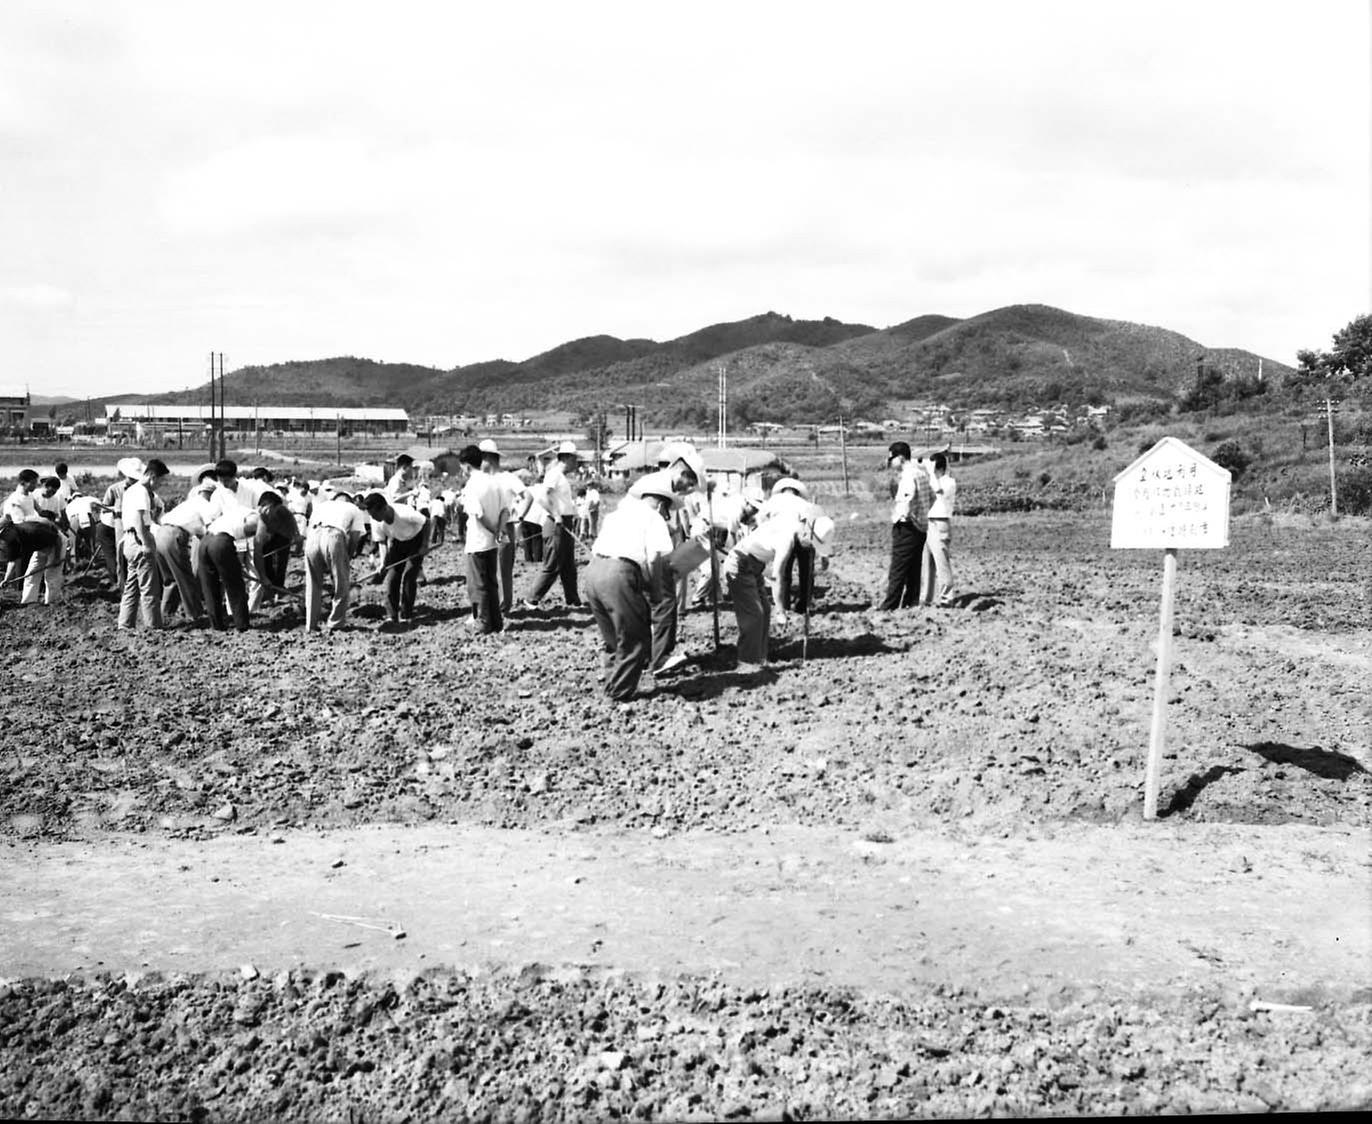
[714, 563]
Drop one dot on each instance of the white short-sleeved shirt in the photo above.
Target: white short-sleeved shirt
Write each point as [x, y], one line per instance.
[340, 515]
[194, 514]
[633, 531]
[781, 503]
[20, 505]
[113, 497]
[559, 501]
[512, 490]
[54, 504]
[480, 500]
[240, 497]
[237, 522]
[250, 490]
[81, 511]
[137, 498]
[406, 525]
[771, 538]
[945, 496]
[538, 509]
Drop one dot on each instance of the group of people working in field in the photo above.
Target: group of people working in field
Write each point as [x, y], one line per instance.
[220, 553]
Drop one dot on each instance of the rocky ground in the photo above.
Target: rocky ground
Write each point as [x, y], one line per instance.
[1028, 705]
[567, 1044]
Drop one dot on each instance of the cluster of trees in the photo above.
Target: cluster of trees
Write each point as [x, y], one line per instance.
[1346, 366]
[1214, 391]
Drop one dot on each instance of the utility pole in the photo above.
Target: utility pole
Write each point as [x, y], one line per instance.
[1333, 495]
[223, 447]
[722, 438]
[843, 447]
[212, 439]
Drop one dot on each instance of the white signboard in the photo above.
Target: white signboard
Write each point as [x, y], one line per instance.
[1171, 498]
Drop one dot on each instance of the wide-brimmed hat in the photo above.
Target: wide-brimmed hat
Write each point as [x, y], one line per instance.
[792, 483]
[653, 484]
[205, 470]
[684, 451]
[132, 467]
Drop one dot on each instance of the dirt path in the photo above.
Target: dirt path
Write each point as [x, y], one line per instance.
[1283, 911]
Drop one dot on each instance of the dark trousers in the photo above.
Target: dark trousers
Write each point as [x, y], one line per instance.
[507, 560]
[794, 595]
[616, 594]
[532, 534]
[663, 602]
[907, 554]
[277, 560]
[109, 556]
[221, 576]
[483, 588]
[559, 562]
[402, 578]
[752, 609]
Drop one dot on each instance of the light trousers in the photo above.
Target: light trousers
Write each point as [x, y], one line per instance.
[44, 575]
[937, 582]
[142, 594]
[326, 555]
[180, 586]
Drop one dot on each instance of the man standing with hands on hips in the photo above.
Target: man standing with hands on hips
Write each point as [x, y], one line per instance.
[909, 527]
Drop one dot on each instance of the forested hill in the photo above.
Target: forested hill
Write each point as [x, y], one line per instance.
[784, 370]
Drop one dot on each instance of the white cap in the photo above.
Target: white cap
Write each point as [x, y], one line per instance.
[653, 484]
[489, 446]
[567, 447]
[789, 482]
[131, 467]
[675, 451]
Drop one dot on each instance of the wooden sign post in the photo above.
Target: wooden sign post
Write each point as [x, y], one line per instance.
[1172, 498]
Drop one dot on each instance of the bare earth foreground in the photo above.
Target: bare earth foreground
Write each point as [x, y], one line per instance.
[418, 875]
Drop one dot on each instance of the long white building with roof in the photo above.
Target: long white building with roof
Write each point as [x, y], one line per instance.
[266, 418]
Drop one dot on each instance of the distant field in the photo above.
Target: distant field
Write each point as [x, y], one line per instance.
[1288, 466]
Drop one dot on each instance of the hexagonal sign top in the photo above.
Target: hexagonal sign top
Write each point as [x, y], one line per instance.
[1172, 497]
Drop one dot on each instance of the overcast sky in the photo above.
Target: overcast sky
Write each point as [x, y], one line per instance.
[445, 183]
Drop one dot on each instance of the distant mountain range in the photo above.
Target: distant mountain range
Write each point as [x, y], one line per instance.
[779, 369]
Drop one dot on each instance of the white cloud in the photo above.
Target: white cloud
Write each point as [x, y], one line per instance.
[443, 183]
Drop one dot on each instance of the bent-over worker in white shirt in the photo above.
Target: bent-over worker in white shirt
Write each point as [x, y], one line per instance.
[335, 532]
[621, 585]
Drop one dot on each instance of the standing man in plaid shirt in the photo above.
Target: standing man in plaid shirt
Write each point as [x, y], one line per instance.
[913, 497]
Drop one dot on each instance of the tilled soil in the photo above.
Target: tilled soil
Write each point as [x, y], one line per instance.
[1033, 702]
[562, 1044]
[1029, 704]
